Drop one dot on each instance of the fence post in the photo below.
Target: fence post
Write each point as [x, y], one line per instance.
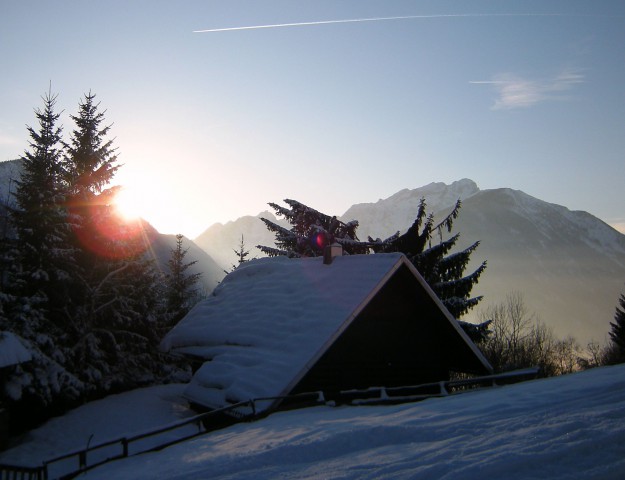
[82, 459]
[125, 446]
[443, 388]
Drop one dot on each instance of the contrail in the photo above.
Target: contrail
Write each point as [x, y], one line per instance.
[383, 19]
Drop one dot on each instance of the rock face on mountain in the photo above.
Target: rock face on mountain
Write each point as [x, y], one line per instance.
[10, 172]
[568, 265]
[397, 212]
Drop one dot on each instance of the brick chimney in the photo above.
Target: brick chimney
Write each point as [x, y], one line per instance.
[331, 251]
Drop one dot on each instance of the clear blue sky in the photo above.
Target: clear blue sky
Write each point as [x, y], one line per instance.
[212, 126]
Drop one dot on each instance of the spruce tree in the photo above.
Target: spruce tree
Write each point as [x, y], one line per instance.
[89, 166]
[241, 253]
[35, 273]
[442, 270]
[181, 286]
[39, 217]
[311, 231]
[114, 302]
[617, 333]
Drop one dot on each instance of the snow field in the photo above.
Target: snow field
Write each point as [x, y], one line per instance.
[568, 427]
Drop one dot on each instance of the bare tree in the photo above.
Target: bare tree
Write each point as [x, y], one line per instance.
[519, 339]
[510, 328]
[566, 355]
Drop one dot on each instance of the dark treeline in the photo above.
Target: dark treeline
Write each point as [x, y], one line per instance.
[77, 287]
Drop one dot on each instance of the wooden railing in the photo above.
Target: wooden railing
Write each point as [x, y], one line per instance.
[388, 395]
[245, 411]
[14, 472]
[72, 464]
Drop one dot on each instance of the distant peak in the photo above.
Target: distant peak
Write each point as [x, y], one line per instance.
[465, 183]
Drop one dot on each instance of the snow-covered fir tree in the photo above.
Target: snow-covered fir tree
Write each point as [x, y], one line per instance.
[34, 275]
[442, 270]
[617, 333]
[311, 231]
[181, 286]
[116, 305]
[39, 216]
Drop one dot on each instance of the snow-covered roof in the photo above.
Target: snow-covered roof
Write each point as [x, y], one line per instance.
[271, 319]
[12, 352]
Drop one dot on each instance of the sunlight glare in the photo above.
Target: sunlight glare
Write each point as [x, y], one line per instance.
[129, 204]
[168, 211]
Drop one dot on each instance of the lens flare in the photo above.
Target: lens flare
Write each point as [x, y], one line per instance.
[103, 231]
[319, 240]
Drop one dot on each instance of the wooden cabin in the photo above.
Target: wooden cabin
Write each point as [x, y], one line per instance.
[279, 326]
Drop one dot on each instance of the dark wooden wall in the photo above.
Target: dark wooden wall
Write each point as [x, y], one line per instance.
[398, 339]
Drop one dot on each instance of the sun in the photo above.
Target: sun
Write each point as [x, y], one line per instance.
[167, 210]
[129, 204]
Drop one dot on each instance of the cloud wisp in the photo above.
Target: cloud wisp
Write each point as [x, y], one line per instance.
[517, 92]
[381, 19]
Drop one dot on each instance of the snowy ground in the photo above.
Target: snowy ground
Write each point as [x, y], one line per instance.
[562, 428]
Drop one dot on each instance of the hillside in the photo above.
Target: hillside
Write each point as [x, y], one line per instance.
[570, 266]
[558, 428]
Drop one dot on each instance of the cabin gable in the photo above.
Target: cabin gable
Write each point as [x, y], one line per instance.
[393, 341]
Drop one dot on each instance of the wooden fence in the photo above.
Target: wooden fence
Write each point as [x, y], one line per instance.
[14, 472]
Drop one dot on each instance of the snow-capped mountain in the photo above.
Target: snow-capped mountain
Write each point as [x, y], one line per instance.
[568, 265]
[397, 212]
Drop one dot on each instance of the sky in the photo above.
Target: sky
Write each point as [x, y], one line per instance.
[331, 103]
